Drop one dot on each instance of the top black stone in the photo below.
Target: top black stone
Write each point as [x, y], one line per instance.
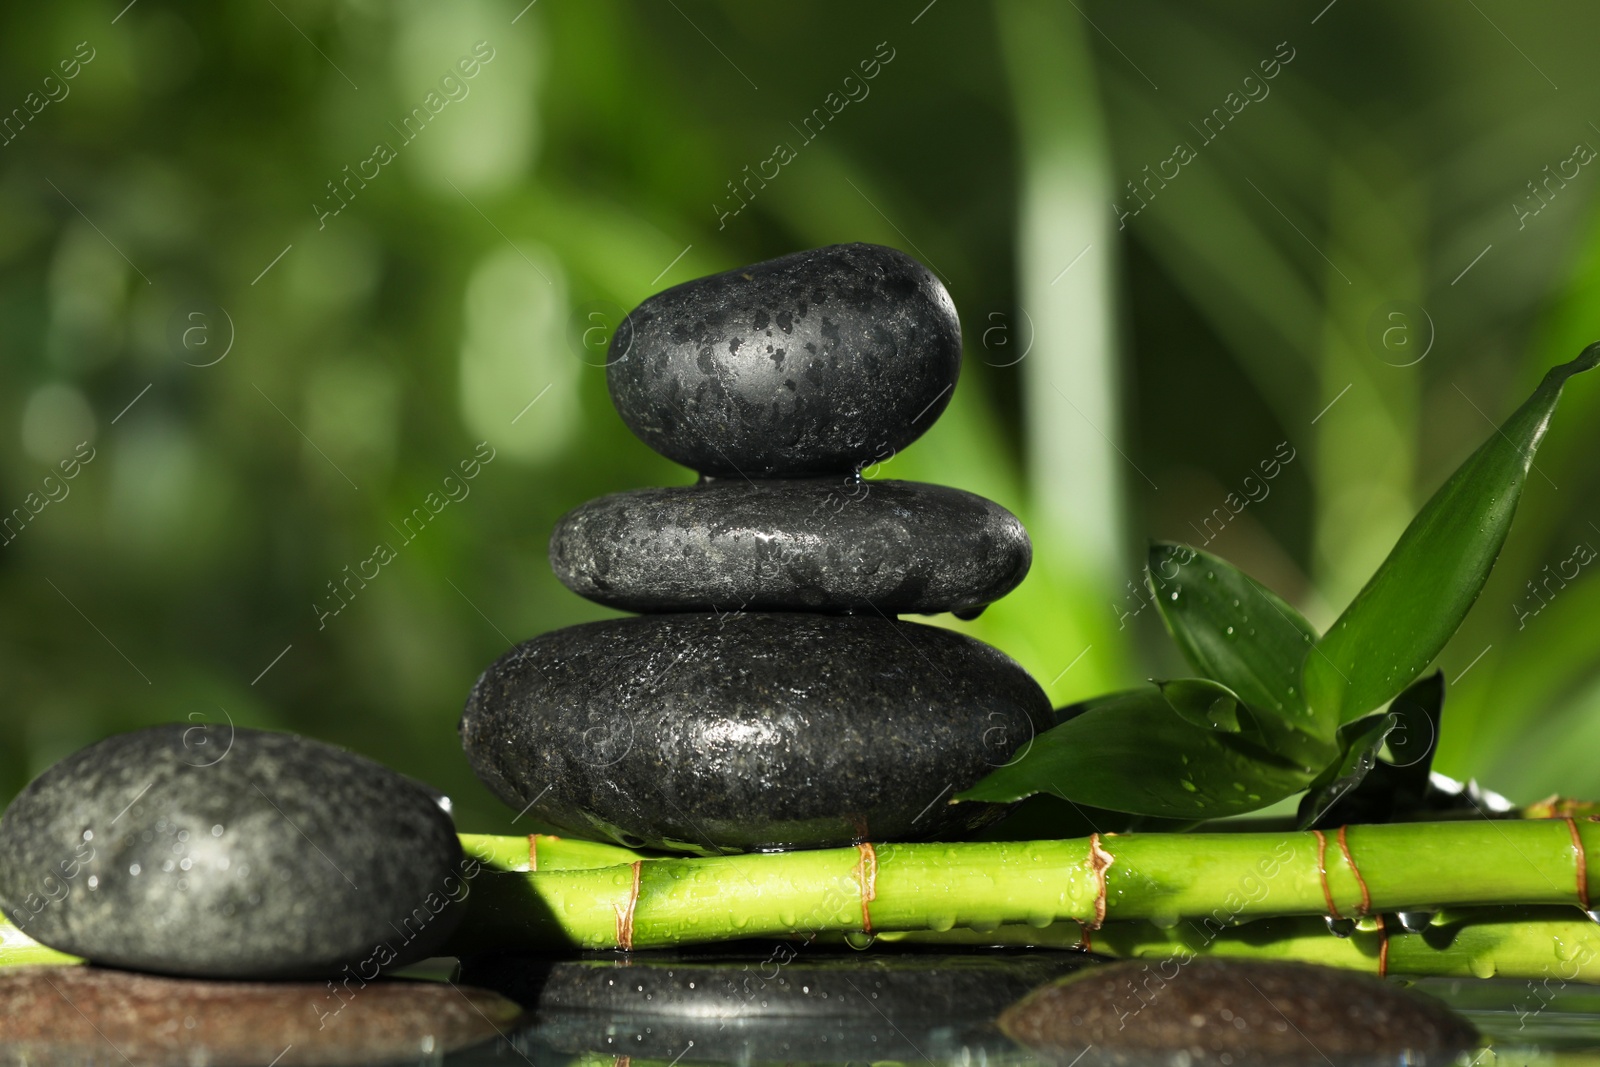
[818, 362]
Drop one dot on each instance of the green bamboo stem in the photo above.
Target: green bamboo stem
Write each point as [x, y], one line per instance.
[17, 949]
[1183, 887]
[544, 852]
[1161, 877]
[1553, 944]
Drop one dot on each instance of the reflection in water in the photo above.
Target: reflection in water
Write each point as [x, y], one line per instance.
[783, 1004]
[805, 1005]
[789, 1005]
[742, 1004]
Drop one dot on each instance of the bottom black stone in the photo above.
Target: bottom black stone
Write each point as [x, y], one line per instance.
[717, 733]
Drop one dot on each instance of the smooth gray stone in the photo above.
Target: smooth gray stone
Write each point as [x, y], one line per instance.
[826, 360]
[210, 851]
[809, 544]
[708, 733]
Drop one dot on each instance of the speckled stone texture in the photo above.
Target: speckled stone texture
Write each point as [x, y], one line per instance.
[821, 361]
[218, 852]
[73, 1016]
[808, 544]
[1229, 1011]
[708, 733]
[784, 1004]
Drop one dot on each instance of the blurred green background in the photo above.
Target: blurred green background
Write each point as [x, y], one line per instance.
[1379, 232]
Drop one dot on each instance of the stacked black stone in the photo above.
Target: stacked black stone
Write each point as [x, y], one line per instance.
[771, 700]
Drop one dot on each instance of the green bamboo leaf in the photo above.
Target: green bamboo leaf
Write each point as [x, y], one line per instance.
[1213, 706]
[1361, 740]
[1413, 738]
[1072, 711]
[1367, 790]
[1136, 754]
[1236, 631]
[1404, 615]
[1208, 704]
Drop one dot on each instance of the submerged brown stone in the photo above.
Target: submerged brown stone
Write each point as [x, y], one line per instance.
[78, 1015]
[1229, 1011]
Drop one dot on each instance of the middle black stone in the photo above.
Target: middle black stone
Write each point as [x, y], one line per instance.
[804, 544]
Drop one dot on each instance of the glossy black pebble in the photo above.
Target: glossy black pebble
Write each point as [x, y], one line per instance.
[210, 851]
[804, 544]
[708, 733]
[821, 361]
[1232, 1011]
[782, 1004]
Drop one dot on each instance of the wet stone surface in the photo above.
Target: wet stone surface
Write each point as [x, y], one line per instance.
[1233, 1012]
[823, 361]
[781, 1003]
[81, 1015]
[708, 733]
[212, 851]
[811, 544]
